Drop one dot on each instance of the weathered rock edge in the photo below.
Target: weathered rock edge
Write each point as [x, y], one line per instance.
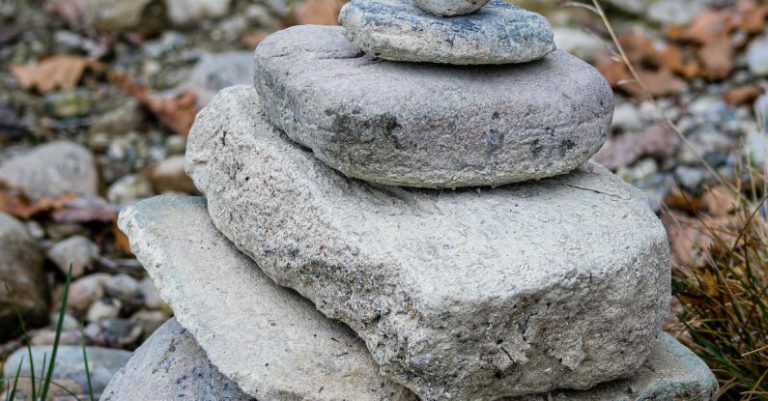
[562, 283]
[671, 373]
[266, 338]
[426, 125]
[398, 30]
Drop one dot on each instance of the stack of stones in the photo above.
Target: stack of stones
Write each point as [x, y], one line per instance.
[403, 208]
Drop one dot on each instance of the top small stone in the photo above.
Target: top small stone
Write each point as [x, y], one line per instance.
[416, 31]
[450, 8]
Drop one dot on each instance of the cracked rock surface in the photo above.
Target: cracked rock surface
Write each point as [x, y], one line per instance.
[425, 125]
[399, 30]
[470, 294]
[266, 338]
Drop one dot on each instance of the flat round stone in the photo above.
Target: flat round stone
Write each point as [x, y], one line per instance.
[450, 8]
[427, 125]
[398, 30]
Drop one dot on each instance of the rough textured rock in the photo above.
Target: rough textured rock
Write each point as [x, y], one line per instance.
[53, 169]
[397, 30]
[69, 370]
[431, 126]
[471, 294]
[265, 337]
[171, 366]
[671, 373]
[22, 281]
[449, 8]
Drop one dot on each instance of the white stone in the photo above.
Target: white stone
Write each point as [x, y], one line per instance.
[471, 294]
[266, 338]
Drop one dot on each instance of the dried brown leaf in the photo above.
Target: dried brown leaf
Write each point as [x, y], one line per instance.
[55, 72]
[320, 12]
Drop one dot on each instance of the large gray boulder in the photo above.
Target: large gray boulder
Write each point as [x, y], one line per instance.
[426, 125]
[171, 366]
[268, 339]
[472, 294]
[163, 369]
[398, 30]
[23, 285]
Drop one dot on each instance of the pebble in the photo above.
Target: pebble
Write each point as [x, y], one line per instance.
[169, 176]
[51, 170]
[68, 104]
[122, 287]
[151, 295]
[578, 42]
[129, 189]
[77, 251]
[757, 56]
[628, 118]
[450, 8]
[85, 291]
[114, 333]
[69, 369]
[149, 320]
[23, 285]
[397, 30]
[104, 308]
[185, 12]
[690, 178]
[216, 72]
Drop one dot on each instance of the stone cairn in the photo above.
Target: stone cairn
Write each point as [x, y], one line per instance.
[403, 208]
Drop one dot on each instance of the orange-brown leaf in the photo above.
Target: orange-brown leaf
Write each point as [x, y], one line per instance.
[56, 72]
[24, 209]
[320, 12]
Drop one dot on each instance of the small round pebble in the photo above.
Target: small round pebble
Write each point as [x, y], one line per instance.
[450, 8]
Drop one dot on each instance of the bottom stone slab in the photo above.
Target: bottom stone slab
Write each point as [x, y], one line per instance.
[171, 366]
[276, 346]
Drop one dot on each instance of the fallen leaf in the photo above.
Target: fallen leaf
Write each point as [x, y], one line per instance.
[319, 12]
[56, 72]
[717, 58]
[662, 82]
[175, 112]
[657, 141]
[719, 201]
[23, 209]
[743, 95]
[679, 199]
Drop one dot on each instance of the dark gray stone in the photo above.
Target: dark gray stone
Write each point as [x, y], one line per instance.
[397, 30]
[426, 125]
[23, 285]
[171, 366]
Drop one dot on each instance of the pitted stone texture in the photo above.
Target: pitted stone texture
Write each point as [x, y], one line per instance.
[171, 366]
[431, 126]
[671, 373]
[459, 295]
[397, 30]
[267, 339]
[450, 8]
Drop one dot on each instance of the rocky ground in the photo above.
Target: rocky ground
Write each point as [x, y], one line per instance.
[96, 97]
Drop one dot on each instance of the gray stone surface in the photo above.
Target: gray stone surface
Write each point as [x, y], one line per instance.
[53, 169]
[449, 8]
[77, 251]
[432, 126]
[470, 294]
[671, 373]
[397, 30]
[23, 285]
[69, 369]
[171, 366]
[264, 337]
